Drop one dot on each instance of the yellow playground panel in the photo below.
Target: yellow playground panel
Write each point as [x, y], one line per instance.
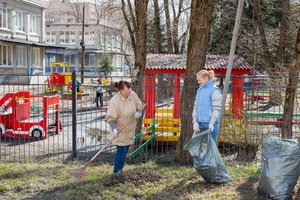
[234, 130]
[57, 81]
[168, 129]
[56, 64]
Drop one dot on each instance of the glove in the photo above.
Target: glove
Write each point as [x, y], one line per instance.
[115, 133]
[137, 115]
[210, 127]
[196, 127]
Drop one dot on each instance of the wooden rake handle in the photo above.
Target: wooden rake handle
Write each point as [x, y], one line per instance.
[113, 137]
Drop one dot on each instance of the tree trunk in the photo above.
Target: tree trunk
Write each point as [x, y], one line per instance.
[141, 7]
[168, 24]
[158, 45]
[158, 35]
[275, 93]
[246, 152]
[282, 36]
[263, 37]
[200, 23]
[175, 26]
[290, 92]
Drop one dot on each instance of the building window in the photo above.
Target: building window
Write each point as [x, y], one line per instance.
[119, 42]
[36, 57]
[73, 60]
[34, 24]
[21, 56]
[5, 55]
[72, 37]
[64, 37]
[108, 40]
[89, 60]
[102, 39]
[20, 21]
[5, 18]
[51, 37]
[89, 37]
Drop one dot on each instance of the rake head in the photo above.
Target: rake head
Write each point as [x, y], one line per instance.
[80, 173]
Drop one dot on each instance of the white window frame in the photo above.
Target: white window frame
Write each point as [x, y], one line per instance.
[5, 18]
[89, 60]
[21, 21]
[64, 37]
[21, 56]
[5, 55]
[72, 37]
[51, 37]
[35, 22]
[36, 57]
[89, 37]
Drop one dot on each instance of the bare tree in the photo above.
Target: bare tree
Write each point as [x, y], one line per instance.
[200, 24]
[158, 35]
[274, 69]
[290, 92]
[168, 25]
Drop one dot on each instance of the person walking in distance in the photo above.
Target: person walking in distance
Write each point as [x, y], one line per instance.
[207, 105]
[99, 94]
[122, 107]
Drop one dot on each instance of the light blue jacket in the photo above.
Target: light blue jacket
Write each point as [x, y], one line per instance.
[207, 104]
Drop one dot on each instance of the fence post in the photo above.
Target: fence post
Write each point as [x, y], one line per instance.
[74, 113]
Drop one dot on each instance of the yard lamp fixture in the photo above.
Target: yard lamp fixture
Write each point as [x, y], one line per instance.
[4, 4]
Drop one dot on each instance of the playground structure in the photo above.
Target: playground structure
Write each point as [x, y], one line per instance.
[20, 117]
[58, 81]
[168, 119]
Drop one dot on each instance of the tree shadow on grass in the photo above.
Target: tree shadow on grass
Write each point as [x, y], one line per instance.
[248, 190]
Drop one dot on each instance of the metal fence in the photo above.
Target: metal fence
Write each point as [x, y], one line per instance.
[50, 120]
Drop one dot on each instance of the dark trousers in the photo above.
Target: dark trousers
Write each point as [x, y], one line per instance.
[120, 157]
[99, 96]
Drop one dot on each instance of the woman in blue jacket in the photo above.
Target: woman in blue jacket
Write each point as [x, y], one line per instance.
[207, 104]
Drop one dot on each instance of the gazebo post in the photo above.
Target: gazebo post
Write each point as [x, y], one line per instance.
[149, 94]
[176, 97]
[238, 97]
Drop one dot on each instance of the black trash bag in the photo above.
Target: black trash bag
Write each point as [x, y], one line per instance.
[207, 160]
[280, 167]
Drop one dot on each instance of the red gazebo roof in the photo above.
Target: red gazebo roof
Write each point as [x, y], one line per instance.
[178, 62]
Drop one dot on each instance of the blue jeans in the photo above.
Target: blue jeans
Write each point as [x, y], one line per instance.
[215, 132]
[120, 157]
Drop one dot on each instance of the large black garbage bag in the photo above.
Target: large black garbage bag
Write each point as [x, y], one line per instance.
[280, 167]
[207, 160]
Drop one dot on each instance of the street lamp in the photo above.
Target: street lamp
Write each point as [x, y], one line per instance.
[4, 4]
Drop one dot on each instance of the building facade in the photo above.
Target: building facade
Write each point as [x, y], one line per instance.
[65, 27]
[22, 43]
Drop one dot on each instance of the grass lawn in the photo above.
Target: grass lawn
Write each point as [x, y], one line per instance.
[55, 180]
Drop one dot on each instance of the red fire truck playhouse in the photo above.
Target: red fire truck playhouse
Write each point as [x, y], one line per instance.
[21, 115]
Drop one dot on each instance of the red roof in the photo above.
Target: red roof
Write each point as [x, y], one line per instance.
[178, 61]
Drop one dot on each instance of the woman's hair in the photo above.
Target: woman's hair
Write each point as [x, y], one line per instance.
[121, 85]
[99, 81]
[204, 73]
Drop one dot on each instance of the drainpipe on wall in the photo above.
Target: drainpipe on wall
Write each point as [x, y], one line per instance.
[28, 64]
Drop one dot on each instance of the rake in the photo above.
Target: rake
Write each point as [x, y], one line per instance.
[80, 173]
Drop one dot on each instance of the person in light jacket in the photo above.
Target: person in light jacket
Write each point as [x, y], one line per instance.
[122, 107]
[99, 94]
[207, 105]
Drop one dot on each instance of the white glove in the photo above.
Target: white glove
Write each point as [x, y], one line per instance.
[196, 127]
[210, 127]
[115, 133]
[137, 115]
